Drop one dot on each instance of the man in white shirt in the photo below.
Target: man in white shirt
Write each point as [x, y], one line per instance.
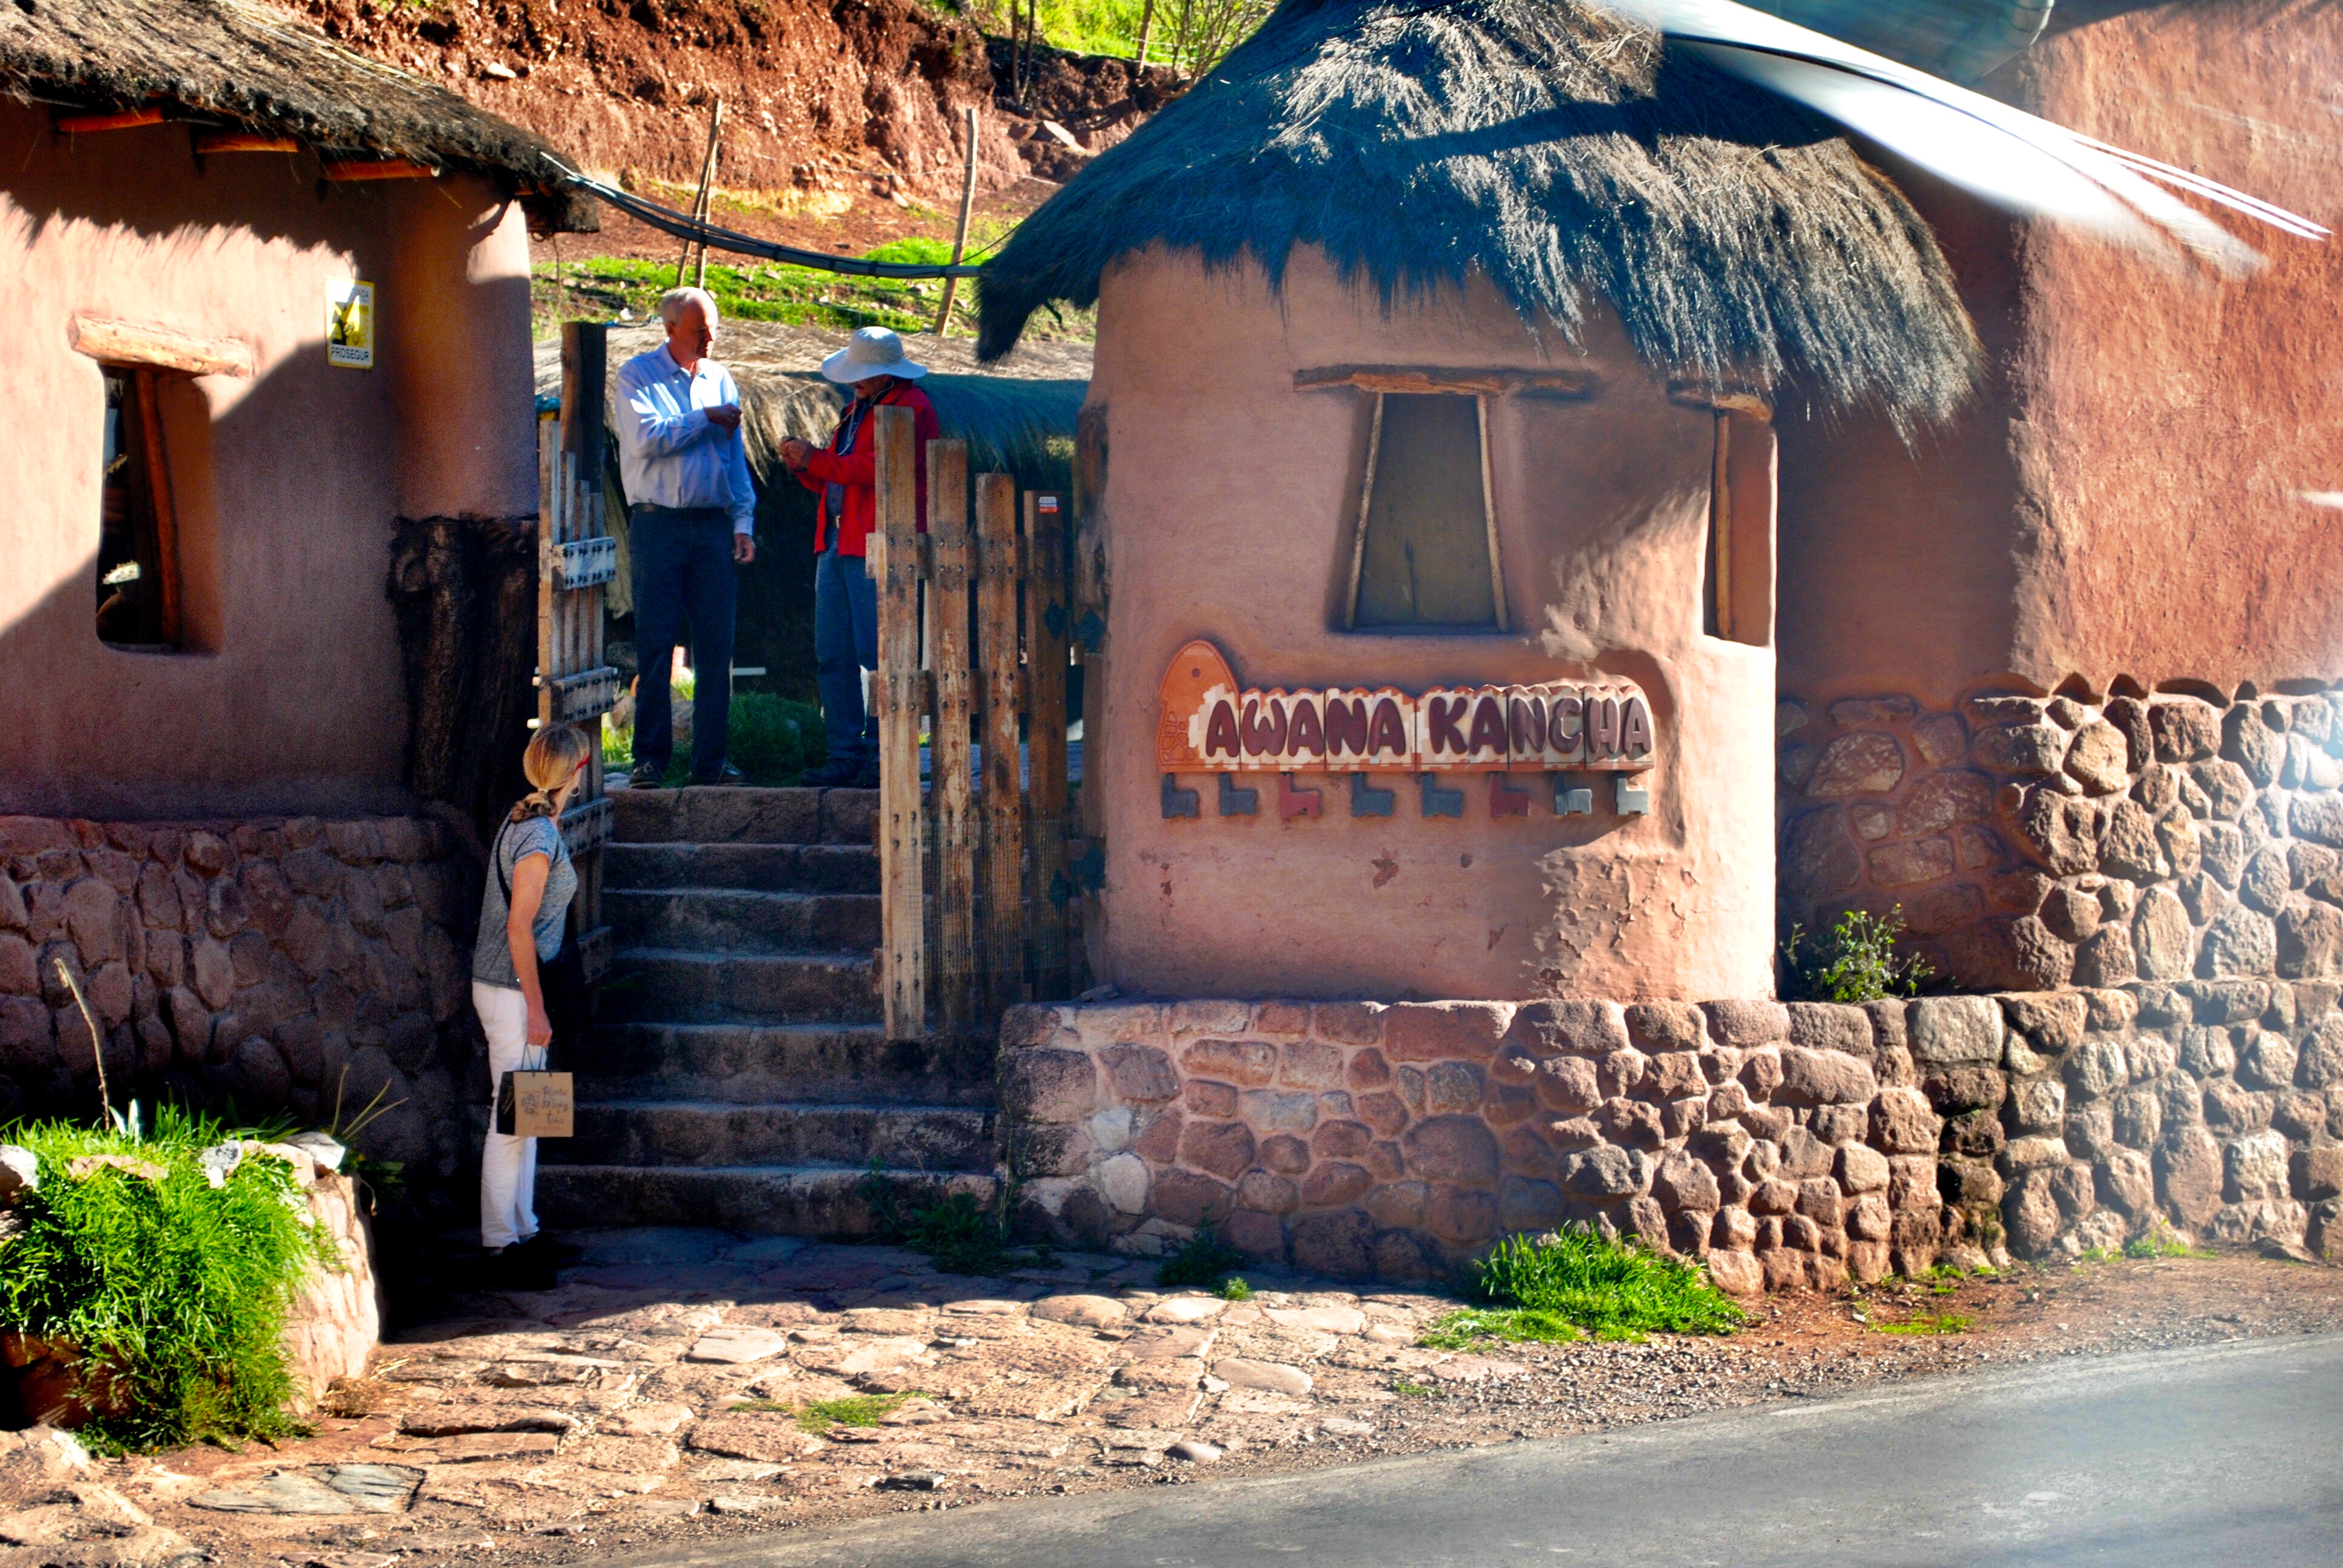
[691, 512]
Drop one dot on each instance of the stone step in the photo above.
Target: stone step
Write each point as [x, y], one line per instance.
[756, 1199]
[713, 1132]
[741, 922]
[714, 815]
[793, 867]
[808, 1063]
[671, 985]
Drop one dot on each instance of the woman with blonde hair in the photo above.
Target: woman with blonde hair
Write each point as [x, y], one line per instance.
[524, 913]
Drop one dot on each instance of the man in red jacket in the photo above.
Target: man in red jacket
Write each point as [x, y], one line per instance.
[845, 601]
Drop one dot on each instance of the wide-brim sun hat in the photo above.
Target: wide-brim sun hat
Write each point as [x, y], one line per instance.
[871, 351]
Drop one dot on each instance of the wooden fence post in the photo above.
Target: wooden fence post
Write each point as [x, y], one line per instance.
[576, 556]
[951, 796]
[1004, 813]
[899, 686]
[1045, 652]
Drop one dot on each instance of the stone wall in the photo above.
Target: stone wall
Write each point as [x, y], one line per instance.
[1789, 1145]
[255, 962]
[2038, 843]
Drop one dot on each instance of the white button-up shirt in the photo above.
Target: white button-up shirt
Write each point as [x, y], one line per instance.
[668, 452]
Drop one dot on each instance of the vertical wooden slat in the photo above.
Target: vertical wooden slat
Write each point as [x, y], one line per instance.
[1004, 789]
[548, 443]
[1088, 589]
[950, 798]
[899, 688]
[1045, 700]
[166, 510]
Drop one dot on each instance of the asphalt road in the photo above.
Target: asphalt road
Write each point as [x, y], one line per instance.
[2231, 1454]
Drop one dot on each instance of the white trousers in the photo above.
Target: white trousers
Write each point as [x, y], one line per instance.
[508, 1165]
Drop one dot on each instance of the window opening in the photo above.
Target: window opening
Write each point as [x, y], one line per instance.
[137, 551]
[1737, 576]
[1425, 555]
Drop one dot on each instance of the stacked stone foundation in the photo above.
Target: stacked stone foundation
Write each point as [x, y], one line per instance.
[280, 965]
[1788, 1146]
[2042, 843]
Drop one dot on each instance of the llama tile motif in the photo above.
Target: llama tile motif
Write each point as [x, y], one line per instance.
[1207, 723]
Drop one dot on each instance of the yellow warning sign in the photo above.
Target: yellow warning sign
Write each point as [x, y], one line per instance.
[349, 325]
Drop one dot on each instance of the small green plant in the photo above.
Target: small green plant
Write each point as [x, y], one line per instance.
[173, 1291]
[1203, 1259]
[854, 1410]
[771, 740]
[1236, 1289]
[2160, 1241]
[1608, 1287]
[1406, 1389]
[1460, 1330]
[1857, 963]
[1926, 1323]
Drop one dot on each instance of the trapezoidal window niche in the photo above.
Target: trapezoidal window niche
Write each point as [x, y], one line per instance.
[1425, 558]
[138, 550]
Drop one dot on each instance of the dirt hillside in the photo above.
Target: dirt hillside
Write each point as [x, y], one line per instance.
[829, 104]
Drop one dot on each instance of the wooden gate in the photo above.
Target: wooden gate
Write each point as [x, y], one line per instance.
[975, 893]
[575, 557]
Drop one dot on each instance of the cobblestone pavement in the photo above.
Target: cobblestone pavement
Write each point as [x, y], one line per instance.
[667, 1393]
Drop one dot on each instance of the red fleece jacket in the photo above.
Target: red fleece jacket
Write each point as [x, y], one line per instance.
[859, 470]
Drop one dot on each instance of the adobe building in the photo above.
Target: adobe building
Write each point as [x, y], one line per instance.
[269, 329]
[1497, 366]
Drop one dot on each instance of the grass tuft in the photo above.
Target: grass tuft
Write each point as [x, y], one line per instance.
[2161, 1242]
[175, 1291]
[1927, 1324]
[771, 740]
[1611, 1289]
[854, 1410]
[1236, 1289]
[1203, 1259]
[1461, 1330]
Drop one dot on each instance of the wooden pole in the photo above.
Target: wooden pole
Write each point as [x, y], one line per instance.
[1004, 788]
[699, 200]
[960, 238]
[899, 688]
[167, 513]
[953, 800]
[1146, 32]
[1046, 622]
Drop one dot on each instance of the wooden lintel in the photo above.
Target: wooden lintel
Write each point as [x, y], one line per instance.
[1493, 382]
[132, 342]
[379, 169]
[1725, 398]
[120, 120]
[211, 142]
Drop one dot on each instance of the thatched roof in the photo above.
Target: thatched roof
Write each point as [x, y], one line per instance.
[1558, 148]
[1016, 416]
[244, 64]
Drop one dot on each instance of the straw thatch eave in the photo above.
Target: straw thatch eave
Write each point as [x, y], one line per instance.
[1559, 149]
[242, 65]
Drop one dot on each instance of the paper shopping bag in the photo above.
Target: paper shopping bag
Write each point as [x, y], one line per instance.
[535, 1105]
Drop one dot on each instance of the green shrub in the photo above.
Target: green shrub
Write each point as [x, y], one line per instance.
[1612, 1288]
[1236, 1289]
[175, 1291]
[1856, 963]
[1203, 1259]
[771, 740]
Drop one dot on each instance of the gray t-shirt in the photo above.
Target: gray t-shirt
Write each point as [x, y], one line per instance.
[491, 953]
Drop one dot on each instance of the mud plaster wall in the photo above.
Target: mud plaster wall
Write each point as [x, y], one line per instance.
[288, 697]
[2146, 485]
[2033, 844]
[1228, 510]
[1788, 1146]
[255, 963]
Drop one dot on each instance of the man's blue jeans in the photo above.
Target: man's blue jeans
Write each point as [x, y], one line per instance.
[683, 564]
[845, 644]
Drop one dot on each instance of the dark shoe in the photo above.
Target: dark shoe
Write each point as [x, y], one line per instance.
[725, 775]
[512, 1269]
[550, 1253]
[833, 774]
[867, 776]
[646, 779]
